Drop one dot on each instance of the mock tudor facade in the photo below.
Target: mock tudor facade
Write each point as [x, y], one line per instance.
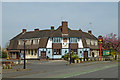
[53, 44]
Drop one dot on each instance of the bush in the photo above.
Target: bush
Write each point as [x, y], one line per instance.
[73, 56]
[4, 54]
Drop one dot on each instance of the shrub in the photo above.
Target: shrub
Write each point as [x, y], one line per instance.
[4, 54]
[73, 56]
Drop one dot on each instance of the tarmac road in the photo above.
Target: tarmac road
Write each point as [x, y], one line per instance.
[59, 69]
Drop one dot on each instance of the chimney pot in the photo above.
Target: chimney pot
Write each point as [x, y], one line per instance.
[36, 29]
[90, 32]
[24, 30]
[52, 27]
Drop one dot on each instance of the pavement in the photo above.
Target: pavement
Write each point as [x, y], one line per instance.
[61, 69]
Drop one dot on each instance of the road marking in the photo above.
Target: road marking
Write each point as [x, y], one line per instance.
[79, 73]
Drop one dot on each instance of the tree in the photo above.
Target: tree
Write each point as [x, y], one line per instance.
[111, 41]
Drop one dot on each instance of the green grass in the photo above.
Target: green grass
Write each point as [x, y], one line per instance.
[118, 60]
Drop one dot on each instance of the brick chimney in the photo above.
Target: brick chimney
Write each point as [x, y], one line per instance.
[52, 27]
[36, 29]
[24, 30]
[64, 27]
[90, 32]
[80, 29]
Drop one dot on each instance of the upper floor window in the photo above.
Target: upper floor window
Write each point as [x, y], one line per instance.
[35, 41]
[73, 40]
[28, 42]
[96, 43]
[92, 42]
[20, 42]
[56, 40]
[64, 39]
[88, 41]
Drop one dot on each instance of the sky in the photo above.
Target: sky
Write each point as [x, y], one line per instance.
[30, 15]
[0, 23]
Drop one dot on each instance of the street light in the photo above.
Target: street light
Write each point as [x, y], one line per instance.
[24, 55]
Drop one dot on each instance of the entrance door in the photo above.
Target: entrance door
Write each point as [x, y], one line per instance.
[85, 54]
[17, 55]
[43, 55]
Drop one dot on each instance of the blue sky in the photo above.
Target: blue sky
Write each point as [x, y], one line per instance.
[31, 15]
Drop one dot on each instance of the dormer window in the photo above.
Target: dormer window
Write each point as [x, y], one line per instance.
[20, 42]
[35, 41]
[88, 41]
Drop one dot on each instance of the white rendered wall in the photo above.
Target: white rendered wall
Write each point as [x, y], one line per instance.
[80, 44]
[49, 43]
[65, 44]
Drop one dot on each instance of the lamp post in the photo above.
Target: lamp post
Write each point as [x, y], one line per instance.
[100, 40]
[24, 55]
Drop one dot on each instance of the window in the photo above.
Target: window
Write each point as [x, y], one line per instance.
[28, 42]
[96, 43]
[57, 52]
[65, 40]
[56, 40]
[73, 40]
[74, 50]
[20, 42]
[92, 42]
[88, 41]
[36, 41]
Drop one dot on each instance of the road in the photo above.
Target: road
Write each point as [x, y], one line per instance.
[59, 69]
[105, 73]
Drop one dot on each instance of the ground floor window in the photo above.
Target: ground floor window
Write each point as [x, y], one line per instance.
[57, 51]
[74, 50]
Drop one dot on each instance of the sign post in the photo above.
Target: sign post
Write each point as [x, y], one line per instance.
[100, 40]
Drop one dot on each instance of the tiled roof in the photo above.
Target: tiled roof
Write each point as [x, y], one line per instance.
[44, 34]
[37, 34]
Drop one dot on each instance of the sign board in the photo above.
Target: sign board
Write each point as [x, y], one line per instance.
[106, 52]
